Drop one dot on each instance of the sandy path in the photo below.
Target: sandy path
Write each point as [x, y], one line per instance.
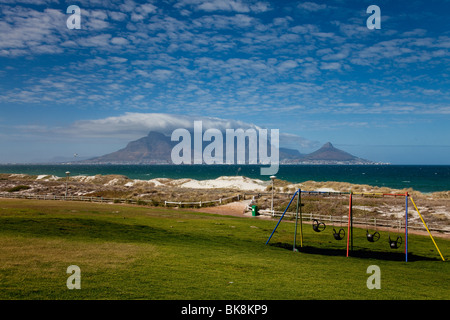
[233, 208]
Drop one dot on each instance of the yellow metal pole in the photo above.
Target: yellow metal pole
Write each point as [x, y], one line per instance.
[412, 200]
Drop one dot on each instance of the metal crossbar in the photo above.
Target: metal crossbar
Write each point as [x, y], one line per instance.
[372, 222]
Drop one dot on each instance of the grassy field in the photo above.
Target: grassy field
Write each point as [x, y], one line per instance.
[129, 252]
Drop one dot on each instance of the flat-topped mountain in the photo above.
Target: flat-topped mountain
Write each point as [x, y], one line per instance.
[154, 148]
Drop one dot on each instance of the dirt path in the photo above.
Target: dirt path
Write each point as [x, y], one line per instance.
[233, 208]
[238, 209]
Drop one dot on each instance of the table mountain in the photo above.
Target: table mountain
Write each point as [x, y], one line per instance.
[154, 148]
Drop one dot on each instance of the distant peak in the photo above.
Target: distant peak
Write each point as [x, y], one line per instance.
[328, 145]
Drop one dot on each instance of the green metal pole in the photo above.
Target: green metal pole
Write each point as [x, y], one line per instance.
[301, 217]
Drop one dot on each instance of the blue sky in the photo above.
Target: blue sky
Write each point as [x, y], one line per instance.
[311, 69]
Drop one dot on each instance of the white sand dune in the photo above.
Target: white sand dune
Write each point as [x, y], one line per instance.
[237, 182]
[224, 182]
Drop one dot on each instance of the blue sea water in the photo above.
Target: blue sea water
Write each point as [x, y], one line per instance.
[424, 178]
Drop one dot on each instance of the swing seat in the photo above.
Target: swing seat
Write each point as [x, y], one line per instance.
[395, 244]
[372, 237]
[318, 226]
[339, 235]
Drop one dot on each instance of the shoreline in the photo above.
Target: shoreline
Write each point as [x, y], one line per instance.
[426, 179]
[237, 183]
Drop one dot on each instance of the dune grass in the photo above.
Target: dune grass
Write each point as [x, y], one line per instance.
[130, 252]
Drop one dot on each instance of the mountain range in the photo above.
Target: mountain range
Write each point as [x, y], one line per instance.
[156, 148]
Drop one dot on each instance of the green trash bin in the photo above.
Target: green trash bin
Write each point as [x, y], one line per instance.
[255, 211]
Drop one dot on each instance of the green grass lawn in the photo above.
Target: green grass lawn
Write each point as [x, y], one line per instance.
[128, 252]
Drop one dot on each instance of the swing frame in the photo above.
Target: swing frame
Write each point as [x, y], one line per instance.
[298, 215]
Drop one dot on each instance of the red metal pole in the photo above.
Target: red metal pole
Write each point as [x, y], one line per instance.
[349, 221]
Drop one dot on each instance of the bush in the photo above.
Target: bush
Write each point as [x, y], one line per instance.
[18, 188]
[142, 202]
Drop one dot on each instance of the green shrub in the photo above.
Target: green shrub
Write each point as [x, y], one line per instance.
[18, 188]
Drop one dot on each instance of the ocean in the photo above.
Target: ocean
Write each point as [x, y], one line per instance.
[424, 178]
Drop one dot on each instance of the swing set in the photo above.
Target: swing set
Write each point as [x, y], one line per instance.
[339, 233]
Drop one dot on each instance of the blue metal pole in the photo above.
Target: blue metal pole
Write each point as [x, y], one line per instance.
[406, 227]
[281, 217]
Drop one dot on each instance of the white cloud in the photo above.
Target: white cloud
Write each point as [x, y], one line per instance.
[101, 40]
[260, 7]
[229, 5]
[226, 5]
[119, 41]
[94, 19]
[117, 59]
[133, 125]
[330, 66]
[342, 54]
[30, 31]
[142, 12]
[311, 6]
[350, 104]
[287, 65]
[128, 6]
[117, 16]
[218, 22]
[414, 33]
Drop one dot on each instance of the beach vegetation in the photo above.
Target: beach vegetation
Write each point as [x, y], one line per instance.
[18, 188]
